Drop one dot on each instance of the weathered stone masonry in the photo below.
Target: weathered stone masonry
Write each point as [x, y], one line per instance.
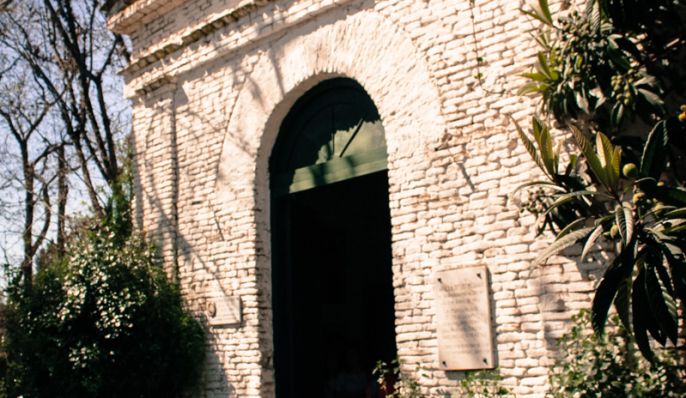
[211, 81]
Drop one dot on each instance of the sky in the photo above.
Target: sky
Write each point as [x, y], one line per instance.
[17, 84]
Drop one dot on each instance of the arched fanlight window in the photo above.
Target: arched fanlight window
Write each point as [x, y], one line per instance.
[331, 134]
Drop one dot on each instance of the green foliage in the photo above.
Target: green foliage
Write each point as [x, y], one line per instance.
[102, 322]
[117, 211]
[476, 384]
[393, 383]
[482, 384]
[606, 64]
[610, 366]
[624, 182]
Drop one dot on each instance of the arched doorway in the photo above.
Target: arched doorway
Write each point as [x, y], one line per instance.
[331, 245]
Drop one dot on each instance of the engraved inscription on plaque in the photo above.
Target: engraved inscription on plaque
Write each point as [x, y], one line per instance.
[221, 308]
[223, 311]
[465, 337]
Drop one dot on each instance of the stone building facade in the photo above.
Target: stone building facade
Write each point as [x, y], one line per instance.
[212, 82]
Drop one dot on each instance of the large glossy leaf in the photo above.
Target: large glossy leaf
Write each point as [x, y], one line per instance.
[617, 113]
[654, 219]
[675, 196]
[543, 67]
[541, 12]
[529, 146]
[597, 232]
[677, 266]
[572, 226]
[616, 162]
[655, 151]
[600, 98]
[568, 197]
[625, 222]
[573, 182]
[675, 228]
[671, 196]
[645, 80]
[609, 158]
[578, 194]
[641, 295]
[622, 303]
[603, 148]
[532, 87]
[547, 184]
[545, 10]
[582, 101]
[641, 315]
[544, 140]
[568, 240]
[581, 141]
[617, 58]
[663, 276]
[592, 158]
[650, 97]
[629, 219]
[535, 76]
[660, 301]
[676, 214]
[618, 272]
[571, 166]
[543, 39]
[533, 15]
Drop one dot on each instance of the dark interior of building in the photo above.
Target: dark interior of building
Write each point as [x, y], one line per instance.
[333, 295]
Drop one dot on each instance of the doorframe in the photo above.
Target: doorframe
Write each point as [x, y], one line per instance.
[282, 186]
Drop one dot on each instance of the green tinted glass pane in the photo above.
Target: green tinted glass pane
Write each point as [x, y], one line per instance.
[332, 122]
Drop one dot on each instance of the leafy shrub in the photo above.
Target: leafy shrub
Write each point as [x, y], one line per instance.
[393, 383]
[482, 384]
[102, 322]
[610, 366]
[476, 384]
[609, 74]
[615, 60]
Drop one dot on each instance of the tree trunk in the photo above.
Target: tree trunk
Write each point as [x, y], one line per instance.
[62, 193]
[27, 235]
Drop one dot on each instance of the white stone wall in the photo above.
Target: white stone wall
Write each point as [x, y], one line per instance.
[211, 81]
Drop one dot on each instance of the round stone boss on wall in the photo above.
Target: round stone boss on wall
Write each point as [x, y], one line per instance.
[363, 47]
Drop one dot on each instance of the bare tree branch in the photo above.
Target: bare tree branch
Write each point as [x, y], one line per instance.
[56, 119]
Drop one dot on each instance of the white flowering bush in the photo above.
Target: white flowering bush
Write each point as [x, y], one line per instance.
[102, 322]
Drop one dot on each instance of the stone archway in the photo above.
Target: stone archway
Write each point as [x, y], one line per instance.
[397, 79]
[331, 245]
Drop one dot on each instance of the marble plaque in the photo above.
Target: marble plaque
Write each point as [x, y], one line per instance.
[224, 311]
[463, 310]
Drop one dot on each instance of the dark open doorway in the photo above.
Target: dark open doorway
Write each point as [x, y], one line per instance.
[332, 289]
[333, 294]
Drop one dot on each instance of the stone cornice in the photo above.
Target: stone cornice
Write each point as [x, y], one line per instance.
[192, 34]
[146, 70]
[125, 15]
